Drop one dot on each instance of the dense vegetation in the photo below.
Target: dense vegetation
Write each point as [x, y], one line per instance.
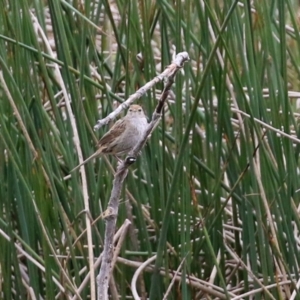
[213, 198]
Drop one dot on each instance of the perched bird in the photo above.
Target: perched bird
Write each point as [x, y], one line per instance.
[123, 135]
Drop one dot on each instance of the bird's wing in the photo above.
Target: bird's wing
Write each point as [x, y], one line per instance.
[117, 129]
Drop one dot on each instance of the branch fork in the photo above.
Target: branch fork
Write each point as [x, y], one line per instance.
[122, 169]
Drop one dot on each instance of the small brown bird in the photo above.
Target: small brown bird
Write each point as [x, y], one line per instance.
[123, 135]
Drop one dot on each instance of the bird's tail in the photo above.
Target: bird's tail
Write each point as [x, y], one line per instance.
[97, 153]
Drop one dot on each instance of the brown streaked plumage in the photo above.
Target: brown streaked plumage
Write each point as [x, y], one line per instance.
[123, 135]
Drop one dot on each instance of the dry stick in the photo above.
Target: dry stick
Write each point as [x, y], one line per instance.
[18, 115]
[137, 273]
[114, 294]
[228, 82]
[60, 81]
[119, 244]
[168, 291]
[32, 260]
[258, 290]
[265, 125]
[117, 236]
[250, 273]
[126, 225]
[214, 271]
[23, 127]
[169, 72]
[206, 287]
[133, 237]
[280, 268]
[31, 293]
[122, 169]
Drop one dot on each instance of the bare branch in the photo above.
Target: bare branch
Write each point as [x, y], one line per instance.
[122, 169]
[169, 72]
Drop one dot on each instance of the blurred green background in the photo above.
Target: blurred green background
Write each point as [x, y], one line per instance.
[215, 192]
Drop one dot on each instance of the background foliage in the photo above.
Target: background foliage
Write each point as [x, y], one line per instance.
[215, 193]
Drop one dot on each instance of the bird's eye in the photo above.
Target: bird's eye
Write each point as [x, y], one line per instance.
[140, 109]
